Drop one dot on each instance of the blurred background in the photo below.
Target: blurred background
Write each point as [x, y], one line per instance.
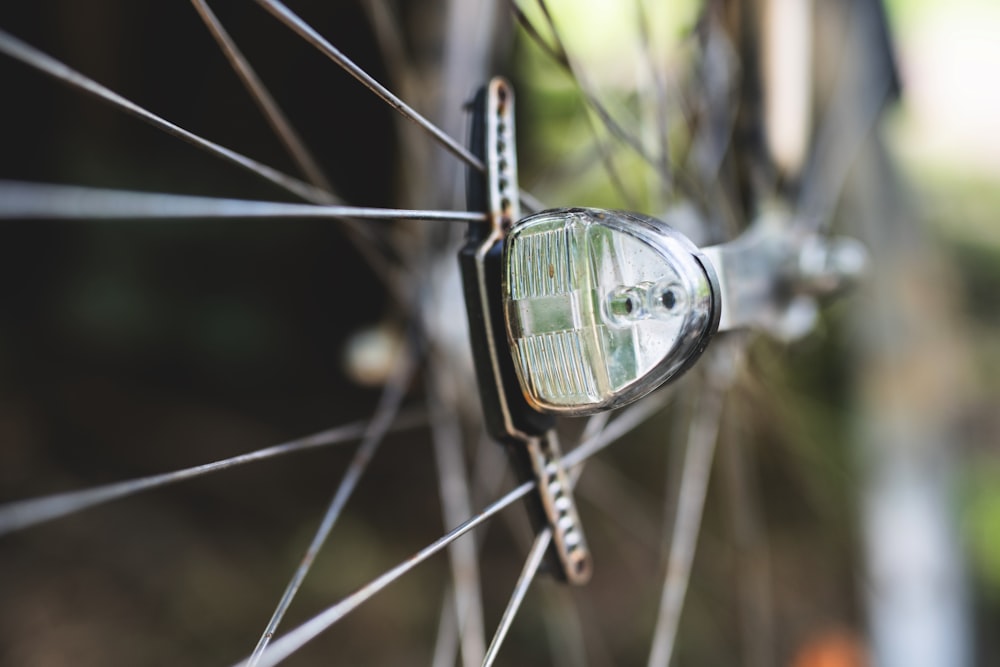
[852, 463]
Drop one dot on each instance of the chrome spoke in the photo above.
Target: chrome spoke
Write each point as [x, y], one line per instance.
[391, 44]
[272, 112]
[25, 513]
[489, 470]
[294, 22]
[357, 233]
[309, 34]
[753, 579]
[595, 424]
[612, 493]
[847, 123]
[446, 643]
[630, 418]
[300, 636]
[702, 437]
[568, 642]
[564, 59]
[656, 73]
[528, 573]
[31, 56]
[711, 117]
[385, 413]
[455, 504]
[19, 200]
[606, 151]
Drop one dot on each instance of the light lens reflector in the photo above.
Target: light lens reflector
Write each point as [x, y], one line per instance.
[602, 307]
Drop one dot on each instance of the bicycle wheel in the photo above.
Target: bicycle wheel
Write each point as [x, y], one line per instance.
[158, 339]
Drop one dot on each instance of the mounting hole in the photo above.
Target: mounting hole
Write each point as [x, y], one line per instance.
[668, 299]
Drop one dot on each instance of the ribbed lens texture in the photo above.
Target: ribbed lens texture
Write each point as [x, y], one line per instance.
[591, 308]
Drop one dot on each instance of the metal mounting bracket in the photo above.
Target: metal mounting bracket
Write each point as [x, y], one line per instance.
[771, 276]
[528, 435]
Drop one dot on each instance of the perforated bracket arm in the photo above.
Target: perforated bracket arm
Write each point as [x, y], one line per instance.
[528, 435]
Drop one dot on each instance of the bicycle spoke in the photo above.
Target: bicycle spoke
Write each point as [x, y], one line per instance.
[487, 475]
[630, 419]
[265, 101]
[712, 118]
[359, 235]
[605, 150]
[559, 55]
[446, 643]
[32, 57]
[308, 33]
[656, 73]
[528, 573]
[847, 123]
[391, 42]
[19, 200]
[568, 642]
[752, 552]
[385, 413]
[595, 424]
[702, 437]
[534, 560]
[612, 493]
[300, 636]
[565, 60]
[25, 513]
[455, 504]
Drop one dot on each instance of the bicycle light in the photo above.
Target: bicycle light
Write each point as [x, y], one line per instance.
[602, 307]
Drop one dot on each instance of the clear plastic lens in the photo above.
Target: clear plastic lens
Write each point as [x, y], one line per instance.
[625, 305]
[602, 307]
[668, 299]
